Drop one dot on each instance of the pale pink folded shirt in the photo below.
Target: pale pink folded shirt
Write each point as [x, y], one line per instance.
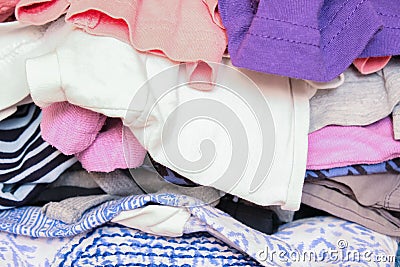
[97, 142]
[371, 64]
[198, 34]
[338, 146]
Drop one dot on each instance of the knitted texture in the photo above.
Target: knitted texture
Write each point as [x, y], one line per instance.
[70, 128]
[108, 152]
[360, 100]
[337, 146]
[75, 130]
[116, 183]
[70, 210]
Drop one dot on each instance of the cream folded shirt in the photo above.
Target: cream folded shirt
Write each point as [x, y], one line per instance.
[247, 136]
[19, 42]
[155, 219]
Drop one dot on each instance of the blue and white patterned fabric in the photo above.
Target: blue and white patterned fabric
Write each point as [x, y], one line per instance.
[24, 251]
[390, 166]
[117, 246]
[114, 245]
[318, 235]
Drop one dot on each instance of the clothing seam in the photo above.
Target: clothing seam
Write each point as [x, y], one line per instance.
[393, 28]
[334, 16]
[292, 23]
[282, 39]
[388, 197]
[340, 207]
[388, 15]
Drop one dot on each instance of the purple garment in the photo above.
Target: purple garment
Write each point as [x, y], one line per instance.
[387, 41]
[315, 40]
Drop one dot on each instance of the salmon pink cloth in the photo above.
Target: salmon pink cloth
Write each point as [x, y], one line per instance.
[7, 9]
[339, 146]
[182, 30]
[39, 12]
[98, 142]
[371, 64]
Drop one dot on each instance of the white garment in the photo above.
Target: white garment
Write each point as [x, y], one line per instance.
[18, 42]
[104, 75]
[155, 219]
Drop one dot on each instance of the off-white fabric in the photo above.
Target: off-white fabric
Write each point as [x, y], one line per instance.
[155, 219]
[104, 75]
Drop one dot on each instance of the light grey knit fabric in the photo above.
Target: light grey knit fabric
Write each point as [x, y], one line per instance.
[70, 210]
[117, 184]
[361, 100]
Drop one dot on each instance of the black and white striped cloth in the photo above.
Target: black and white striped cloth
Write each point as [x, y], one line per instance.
[27, 162]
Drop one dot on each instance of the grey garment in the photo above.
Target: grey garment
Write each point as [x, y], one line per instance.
[372, 202]
[71, 210]
[75, 177]
[361, 100]
[117, 184]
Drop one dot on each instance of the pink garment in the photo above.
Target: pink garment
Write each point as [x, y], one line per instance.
[371, 64]
[184, 31]
[71, 129]
[39, 12]
[338, 146]
[109, 151]
[99, 143]
[7, 9]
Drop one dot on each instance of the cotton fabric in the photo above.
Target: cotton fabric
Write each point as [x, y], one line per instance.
[360, 100]
[288, 100]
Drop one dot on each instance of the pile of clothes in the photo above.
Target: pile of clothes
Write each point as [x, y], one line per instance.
[199, 133]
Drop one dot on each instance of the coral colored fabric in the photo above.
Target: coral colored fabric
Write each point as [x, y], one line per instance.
[371, 64]
[75, 130]
[183, 31]
[338, 146]
[39, 12]
[7, 9]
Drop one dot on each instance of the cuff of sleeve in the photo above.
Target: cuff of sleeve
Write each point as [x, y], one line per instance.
[44, 80]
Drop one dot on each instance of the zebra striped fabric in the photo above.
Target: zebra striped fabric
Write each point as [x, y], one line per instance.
[27, 162]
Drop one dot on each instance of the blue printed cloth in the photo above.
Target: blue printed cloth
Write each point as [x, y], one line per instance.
[113, 245]
[390, 166]
[314, 234]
